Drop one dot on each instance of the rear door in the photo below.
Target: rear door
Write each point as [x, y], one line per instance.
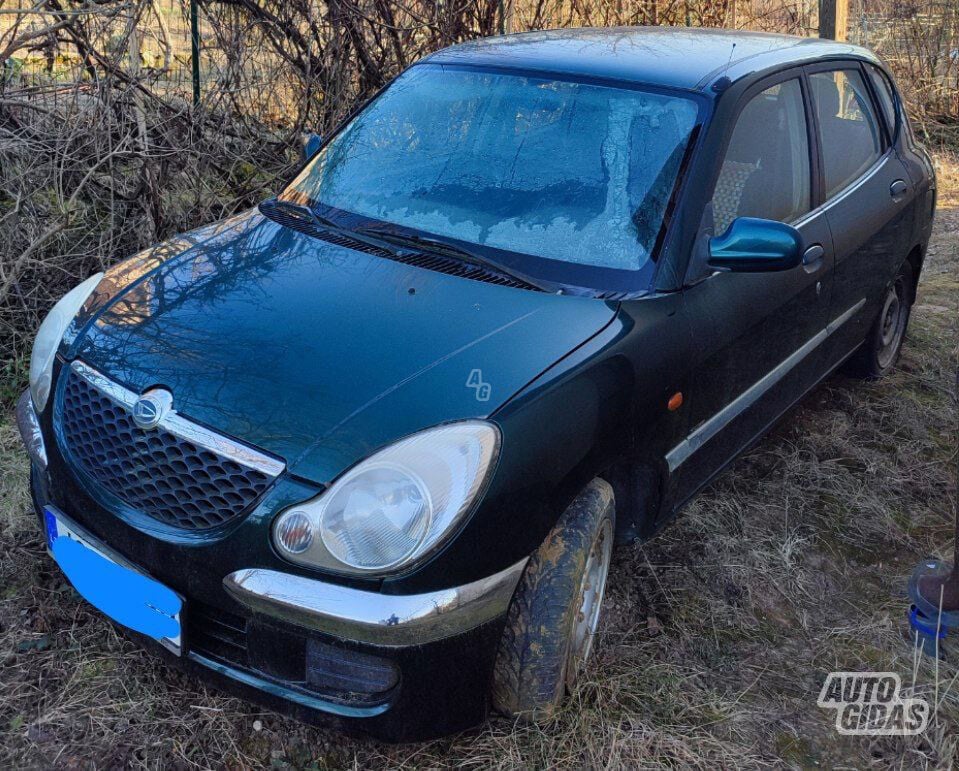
[866, 194]
[752, 331]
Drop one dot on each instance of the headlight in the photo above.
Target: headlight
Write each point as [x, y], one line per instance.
[394, 507]
[49, 336]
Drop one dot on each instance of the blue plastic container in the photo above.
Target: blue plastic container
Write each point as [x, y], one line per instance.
[930, 626]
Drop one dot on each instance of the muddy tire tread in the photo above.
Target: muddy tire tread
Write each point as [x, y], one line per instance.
[529, 673]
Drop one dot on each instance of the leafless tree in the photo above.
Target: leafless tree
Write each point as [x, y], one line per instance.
[103, 152]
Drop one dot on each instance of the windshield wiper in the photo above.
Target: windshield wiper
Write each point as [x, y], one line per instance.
[415, 243]
[302, 211]
[423, 243]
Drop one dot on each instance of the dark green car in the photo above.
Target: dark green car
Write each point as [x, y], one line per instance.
[364, 451]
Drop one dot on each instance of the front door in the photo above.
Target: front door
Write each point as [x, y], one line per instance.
[754, 334]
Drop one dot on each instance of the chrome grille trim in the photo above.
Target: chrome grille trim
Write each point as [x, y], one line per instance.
[181, 427]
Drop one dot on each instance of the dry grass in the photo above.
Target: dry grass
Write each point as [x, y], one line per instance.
[717, 638]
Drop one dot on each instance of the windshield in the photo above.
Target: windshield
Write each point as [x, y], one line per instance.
[567, 171]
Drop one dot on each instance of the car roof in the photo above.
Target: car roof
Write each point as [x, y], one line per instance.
[677, 57]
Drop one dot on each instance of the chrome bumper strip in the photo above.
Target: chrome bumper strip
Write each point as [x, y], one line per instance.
[371, 617]
[29, 425]
[181, 427]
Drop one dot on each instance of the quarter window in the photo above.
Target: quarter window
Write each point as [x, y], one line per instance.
[766, 169]
[848, 126]
[887, 99]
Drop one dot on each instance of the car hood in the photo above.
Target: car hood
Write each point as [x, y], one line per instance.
[315, 352]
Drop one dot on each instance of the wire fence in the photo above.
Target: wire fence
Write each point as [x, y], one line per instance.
[921, 44]
[262, 52]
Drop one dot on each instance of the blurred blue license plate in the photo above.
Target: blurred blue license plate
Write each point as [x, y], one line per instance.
[124, 594]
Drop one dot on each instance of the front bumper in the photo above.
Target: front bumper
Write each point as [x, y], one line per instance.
[398, 667]
[372, 617]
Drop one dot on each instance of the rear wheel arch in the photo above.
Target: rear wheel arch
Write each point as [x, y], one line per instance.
[883, 343]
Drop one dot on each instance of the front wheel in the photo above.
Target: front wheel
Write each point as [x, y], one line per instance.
[554, 614]
[879, 353]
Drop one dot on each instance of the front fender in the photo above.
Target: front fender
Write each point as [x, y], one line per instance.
[557, 434]
[605, 403]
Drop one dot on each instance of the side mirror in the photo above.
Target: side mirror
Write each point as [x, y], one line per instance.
[752, 245]
[310, 145]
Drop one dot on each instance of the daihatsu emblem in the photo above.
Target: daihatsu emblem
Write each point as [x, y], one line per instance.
[150, 409]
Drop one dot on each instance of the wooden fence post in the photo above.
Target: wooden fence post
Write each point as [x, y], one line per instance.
[833, 19]
[195, 51]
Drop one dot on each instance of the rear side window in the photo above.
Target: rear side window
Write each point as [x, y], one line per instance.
[849, 128]
[765, 172]
[887, 98]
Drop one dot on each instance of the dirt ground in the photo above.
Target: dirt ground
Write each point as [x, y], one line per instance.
[717, 636]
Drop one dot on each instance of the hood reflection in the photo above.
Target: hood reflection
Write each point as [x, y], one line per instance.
[297, 346]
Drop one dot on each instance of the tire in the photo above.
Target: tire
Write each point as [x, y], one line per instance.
[878, 355]
[549, 625]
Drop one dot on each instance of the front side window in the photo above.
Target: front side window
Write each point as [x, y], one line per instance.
[567, 171]
[765, 172]
[848, 126]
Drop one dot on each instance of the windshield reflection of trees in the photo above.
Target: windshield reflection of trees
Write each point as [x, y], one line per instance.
[536, 165]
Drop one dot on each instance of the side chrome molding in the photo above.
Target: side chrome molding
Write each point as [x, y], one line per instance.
[707, 430]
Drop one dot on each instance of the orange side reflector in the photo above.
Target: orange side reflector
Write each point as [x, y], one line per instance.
[675, 401]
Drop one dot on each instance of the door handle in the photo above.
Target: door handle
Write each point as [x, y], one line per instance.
[898, 188]
[812, 258]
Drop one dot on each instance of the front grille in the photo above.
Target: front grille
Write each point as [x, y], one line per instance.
[158, 472]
